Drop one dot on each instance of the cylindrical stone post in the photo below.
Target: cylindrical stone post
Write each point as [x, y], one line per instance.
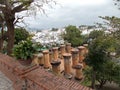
[35, 59]
[46, 59]
[78, 73]
[62, 50]
[67, 65]
[55, 53]
[51, 56]
[40, 59]
[81, 53]
[86, 48]
[75, 57]
[68, 47]
[56, 67]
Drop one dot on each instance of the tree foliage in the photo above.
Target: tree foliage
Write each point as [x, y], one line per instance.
[96, 33]
[73, 35]
[117, 2]
[8, 10]
[21, 34]
[110, 73]
[99, 54]
[114, 28]
[113, 23]
[99, 50]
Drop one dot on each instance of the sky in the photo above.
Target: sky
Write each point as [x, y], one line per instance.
[72, 12]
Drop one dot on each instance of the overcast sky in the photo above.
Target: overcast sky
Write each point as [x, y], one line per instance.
[73, 12]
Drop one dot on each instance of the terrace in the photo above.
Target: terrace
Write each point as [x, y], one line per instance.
[54, 76]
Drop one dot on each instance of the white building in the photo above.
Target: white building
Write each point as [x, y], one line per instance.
[48, 37]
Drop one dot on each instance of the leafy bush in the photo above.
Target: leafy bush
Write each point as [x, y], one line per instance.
[24, 49]
[20, 34]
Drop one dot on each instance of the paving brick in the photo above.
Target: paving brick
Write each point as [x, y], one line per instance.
[5, 83]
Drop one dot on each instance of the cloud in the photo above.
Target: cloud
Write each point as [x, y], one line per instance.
[75, 12]
[82, 2]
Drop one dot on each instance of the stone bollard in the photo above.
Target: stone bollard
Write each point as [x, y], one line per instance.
[51, 56]
[40, 59]
[81, 53]
[75, 57]
[86, 48]
[78, 73]
[67, 65]
[62, 49]
[55, 53]
[35, 61]
[68, 47]
[46, 59]
[56, 67]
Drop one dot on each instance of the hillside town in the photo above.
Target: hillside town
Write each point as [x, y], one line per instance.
[46, 37]
[53, 37]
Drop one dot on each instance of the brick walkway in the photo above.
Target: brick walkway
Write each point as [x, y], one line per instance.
[5, 83]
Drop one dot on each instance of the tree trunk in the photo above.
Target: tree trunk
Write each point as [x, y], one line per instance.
[10, 38]
[93, 79]
[1, 44]
[9, 18]
[1, 39]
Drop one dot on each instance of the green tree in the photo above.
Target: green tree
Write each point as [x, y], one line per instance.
[54, 29]
[93, 35]
[21, 34]
[9, 8]
[96, 33]
[98, 55]
[116, 74]
[73, 35]
[114, 24]
[110, 72]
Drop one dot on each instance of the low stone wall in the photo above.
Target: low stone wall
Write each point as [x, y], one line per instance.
[34, 77]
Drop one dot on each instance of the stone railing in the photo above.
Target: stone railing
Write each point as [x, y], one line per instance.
[37, 77]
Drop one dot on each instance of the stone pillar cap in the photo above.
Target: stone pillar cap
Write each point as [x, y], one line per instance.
[85, 45]
[68, 44]
[81, 47]
[66, 55]
[79, 66]
[62, 45]
[45, 51]
[55, 63]
[40, 55]
[74, 50]
[55, 48]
